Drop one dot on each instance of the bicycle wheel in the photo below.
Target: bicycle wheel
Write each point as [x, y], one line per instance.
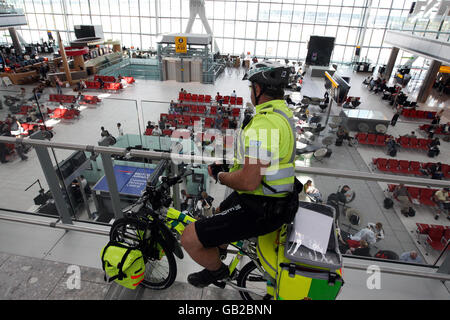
[160, 269]
[250, 277]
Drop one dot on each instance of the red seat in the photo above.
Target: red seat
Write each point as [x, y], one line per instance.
[207, 99]
[393, 165]
[381, 140]
[382, 164]
[226, 99]
[412, 113]
[421, 114]
[371, 138]
[404, 142]
[209, 122]
[181, 96]
[446, 170]
[187, 97]
[213, 111]
[202, 109]
[414, 192]
[423, 144]
[426, 197]
[403, 166]
[167, 132]
[201, 98]
[233, 100]
[236, 112]
[194, 98]
[239, 101]
[414, 143]
[163, 116]
[434, 238]
[171, 117]
[422, 228]
[406, 113]
[226, 123]
[193, 109]
[414, 167]
[362, 137]
[148, 132]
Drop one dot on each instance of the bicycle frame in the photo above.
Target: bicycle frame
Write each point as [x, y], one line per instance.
[176, 220]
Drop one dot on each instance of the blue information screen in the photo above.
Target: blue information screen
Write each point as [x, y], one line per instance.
[130, 180]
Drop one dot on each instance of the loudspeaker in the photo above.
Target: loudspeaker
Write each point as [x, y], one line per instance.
[319, 50]
[88, 31]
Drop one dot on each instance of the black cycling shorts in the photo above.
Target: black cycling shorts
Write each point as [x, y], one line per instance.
[242, 217]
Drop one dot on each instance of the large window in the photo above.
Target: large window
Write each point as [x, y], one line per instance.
[273, 29]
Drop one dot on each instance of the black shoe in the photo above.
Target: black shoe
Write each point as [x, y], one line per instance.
[436, 217]
[205, 277]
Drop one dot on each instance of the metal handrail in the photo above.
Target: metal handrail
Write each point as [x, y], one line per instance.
[347, 265]
[201, 159]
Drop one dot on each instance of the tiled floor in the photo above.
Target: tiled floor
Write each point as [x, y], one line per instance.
[131, 108]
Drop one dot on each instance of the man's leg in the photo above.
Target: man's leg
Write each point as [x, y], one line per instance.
[206, 257]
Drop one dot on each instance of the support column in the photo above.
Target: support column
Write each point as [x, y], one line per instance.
[112, 185]
[428, 82]
[391, 63]
[15, 40]
[52, 179]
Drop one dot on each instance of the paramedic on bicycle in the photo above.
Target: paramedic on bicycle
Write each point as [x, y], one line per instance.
[262, 178]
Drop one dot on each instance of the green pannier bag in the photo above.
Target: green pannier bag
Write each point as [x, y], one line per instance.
[123, 264]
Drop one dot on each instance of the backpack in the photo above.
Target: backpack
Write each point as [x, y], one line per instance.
[123, 264]
[297, 275]
[388, 203]
[411, 212]
[393, 152]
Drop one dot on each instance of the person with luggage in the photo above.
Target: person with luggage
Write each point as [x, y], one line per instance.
[402, 195]
[262, 177]
[433, 149]
[392, 146]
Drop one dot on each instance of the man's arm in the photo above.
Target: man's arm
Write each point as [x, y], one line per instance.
[248, 178]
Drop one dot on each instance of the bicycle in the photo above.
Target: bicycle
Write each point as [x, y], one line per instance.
[152, 226]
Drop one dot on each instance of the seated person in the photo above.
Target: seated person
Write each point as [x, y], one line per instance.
[442, 199]
[436, 171]
[312, 191]
[377, 229]
[365, 234]
[362, 250]
[156, 131]
[410, 257]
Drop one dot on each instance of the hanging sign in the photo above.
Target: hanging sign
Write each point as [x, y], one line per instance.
[180, 44]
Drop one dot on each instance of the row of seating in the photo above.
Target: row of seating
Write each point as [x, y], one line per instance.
[200, 98]
[183, 121]
[62, 98]
[372, 138]
[24, 110]
[113, 86]
[413, 143]
[437, 130]
[193, 109]
[67, 114]
[188, 97]
[406, 167]
[418, 114]
[29, 126]
[129, 80]
[200, 136]
[437, 236]
[423, 196]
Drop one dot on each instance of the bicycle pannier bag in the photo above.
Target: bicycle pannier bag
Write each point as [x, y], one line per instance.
[123, 264]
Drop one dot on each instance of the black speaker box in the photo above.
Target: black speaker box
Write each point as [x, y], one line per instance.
[319, 50]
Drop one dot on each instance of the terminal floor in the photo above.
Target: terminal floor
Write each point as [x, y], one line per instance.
[83, 249]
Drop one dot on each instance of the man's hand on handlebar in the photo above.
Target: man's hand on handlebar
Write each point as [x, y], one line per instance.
[215, 168]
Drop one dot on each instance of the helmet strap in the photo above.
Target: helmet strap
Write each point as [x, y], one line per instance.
[254, 93]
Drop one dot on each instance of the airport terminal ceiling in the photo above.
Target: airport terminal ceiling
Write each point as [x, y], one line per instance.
[273, 29]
